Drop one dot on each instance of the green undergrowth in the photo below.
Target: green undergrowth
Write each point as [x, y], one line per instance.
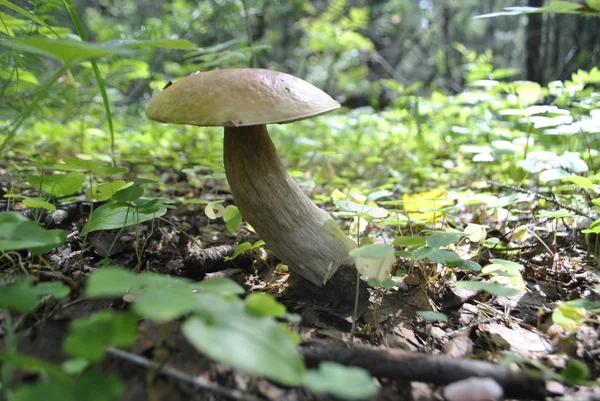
[518, 159]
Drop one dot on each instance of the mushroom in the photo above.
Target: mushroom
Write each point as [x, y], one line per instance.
[243, 101]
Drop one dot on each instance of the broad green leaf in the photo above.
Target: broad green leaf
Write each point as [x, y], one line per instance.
[58, 185]
[432, 316]
[17, 232]
[440, 239]
[111, 282]
[21, 296]
[232, 218]
[219, 285]
[258, 345]
[92, 385]
[581, 182]
[556, 214]
[373, 196]
[411, 241]
[575, 372]
[373, 251]
[241, 248]
[66, 50]
[569, 316]
[75, 366]
[444, 256]
[39, 203]
[162, 303]
[128, 194]
[89, 337]
[73, 51]
[106, 190]
[374, 261]
[115, 215]
[465, 265]
[363, 210]
[214, 210]
[344, 382]
[494, 289]
[507, 263]
[261, 304]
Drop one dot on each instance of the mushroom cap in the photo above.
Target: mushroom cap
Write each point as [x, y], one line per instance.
[239, 97]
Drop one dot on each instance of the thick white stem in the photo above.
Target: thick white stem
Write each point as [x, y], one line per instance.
[303, 236]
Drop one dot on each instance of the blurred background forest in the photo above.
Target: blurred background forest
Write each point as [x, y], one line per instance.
[345, 47]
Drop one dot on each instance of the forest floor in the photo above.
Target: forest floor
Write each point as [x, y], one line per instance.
[480, 326]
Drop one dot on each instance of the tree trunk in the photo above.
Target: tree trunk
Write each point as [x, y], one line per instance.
[533, 62]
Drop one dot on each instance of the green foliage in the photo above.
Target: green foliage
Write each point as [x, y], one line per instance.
[21, 296]
[92, 385]
[124, 214]
[89, 337]
[348, 383]
[492, 288]
[17, 232]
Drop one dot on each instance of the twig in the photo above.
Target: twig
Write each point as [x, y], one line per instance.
[410, 366]
[540, 196]
[180, 375]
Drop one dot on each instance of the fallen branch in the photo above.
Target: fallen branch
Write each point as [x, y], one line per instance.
[180, 375]
[201, 261]
[437, 369]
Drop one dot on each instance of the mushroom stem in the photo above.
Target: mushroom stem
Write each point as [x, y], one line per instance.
[303, 236]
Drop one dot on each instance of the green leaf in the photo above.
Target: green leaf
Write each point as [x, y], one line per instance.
[257, 345]
[66, 50]
[92, 385]
[89, 337]
[214, 210]
[494, 289]
[17, 232]
[115, 215]
[344, 382]
[433, 316]
[232, 218]
[219, 285]
[508, 263]
[410, 241]
[111, 282]
[555, 214]
[373, 196]
[569, 316]
[58, 185]
[75, 366]
[181, 44]
[443, 256]
[465, 265]
[440, 239]
[21, 296]
[89, 166]
[25, 13]
[575, 372]
[164, 302]
[128, 194]
[261, 304]
[39, 203]
[373, 251]
[106, 190]
[581, 182]
[362, 210]
[241, 248]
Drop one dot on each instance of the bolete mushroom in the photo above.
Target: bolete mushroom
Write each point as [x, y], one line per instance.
[243, 101]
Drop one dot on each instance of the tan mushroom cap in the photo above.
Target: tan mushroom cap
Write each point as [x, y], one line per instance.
[238, 97]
